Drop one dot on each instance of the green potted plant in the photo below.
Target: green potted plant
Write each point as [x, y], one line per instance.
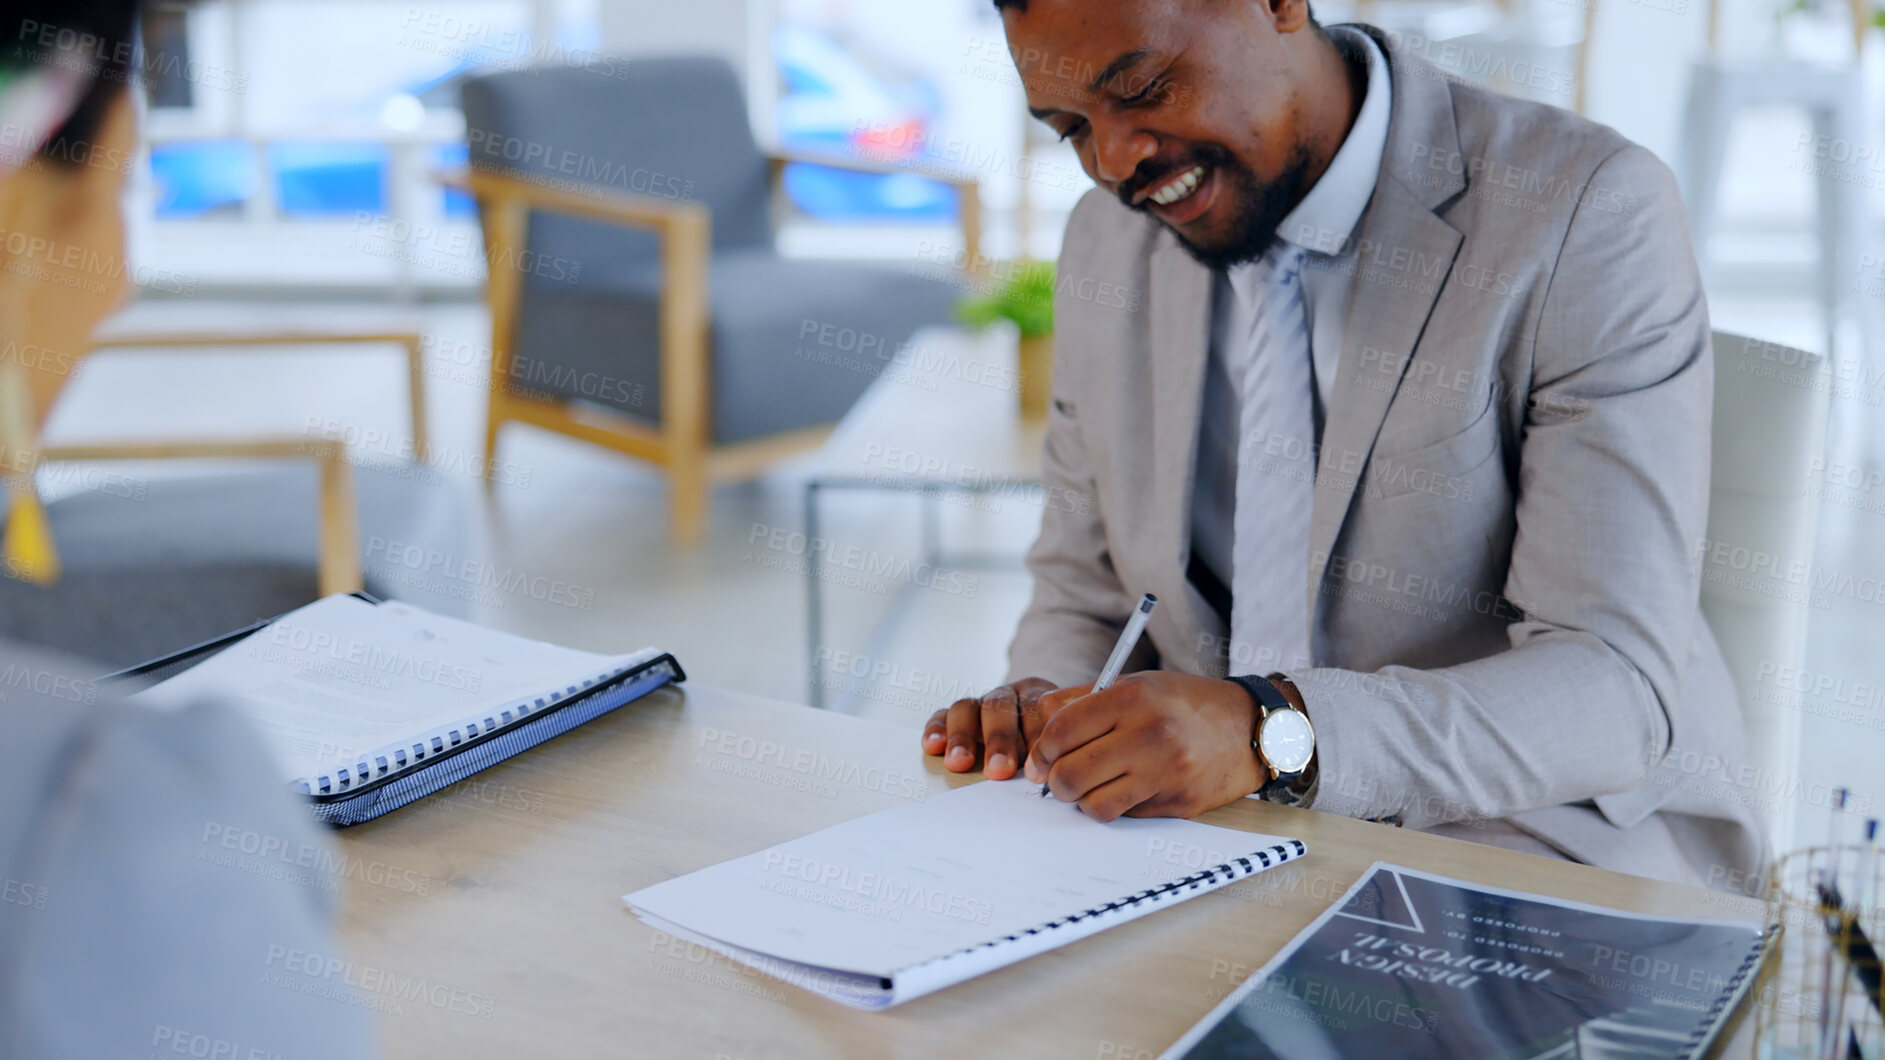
[1024, 297]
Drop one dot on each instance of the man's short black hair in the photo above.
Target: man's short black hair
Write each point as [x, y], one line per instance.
[1022, 6]
[100, 33]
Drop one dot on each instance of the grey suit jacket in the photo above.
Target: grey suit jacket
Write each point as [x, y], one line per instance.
[160, 892]
[1511, 486]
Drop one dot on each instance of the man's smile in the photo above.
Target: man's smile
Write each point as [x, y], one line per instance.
[1183, 197]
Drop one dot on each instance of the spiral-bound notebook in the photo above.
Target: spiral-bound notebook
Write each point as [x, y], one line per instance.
[367, 706]
[882, 909]
[1422, 967]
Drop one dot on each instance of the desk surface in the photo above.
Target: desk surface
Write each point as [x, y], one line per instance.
[503, 895]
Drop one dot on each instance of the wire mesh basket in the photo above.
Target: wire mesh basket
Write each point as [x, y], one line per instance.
[1819, 994]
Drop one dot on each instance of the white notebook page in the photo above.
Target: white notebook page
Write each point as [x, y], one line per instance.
[891, 891]
[341, 678]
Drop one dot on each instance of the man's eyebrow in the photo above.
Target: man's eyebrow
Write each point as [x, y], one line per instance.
[1113, 70]
[1118, 66]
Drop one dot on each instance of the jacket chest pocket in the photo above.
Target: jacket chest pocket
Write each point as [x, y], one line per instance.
[1443, 468]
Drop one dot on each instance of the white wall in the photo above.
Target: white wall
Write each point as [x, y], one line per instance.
[1638, 78]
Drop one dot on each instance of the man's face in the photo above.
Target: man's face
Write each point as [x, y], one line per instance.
[1189, 110]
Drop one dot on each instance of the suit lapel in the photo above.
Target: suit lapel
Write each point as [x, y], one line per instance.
[1403, 253]
[1180, 303]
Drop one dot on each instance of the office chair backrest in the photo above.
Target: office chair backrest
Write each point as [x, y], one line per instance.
[670, 128]
[1757, 563]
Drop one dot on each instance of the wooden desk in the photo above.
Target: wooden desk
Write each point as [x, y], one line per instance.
[526, 950]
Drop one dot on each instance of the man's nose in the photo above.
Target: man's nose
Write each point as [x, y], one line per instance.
[1118, 148]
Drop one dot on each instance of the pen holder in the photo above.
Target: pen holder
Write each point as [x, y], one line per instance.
[1819, 995]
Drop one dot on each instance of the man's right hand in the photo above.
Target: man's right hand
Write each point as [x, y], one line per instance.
[1006, 721]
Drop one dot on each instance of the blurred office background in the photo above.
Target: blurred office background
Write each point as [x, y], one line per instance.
[299, 176]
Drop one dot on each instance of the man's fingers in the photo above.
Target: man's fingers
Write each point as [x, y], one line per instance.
[1117, 797]
[1082, 770]
[934, 738]
[1033, 715]
[963, 729]
[1001, 732]
[1030, 689]
[1055, 698]
[1036, 713]
[1075, 720]
[1161, 804]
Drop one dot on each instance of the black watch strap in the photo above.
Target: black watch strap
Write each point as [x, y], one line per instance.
[1268, 699]
[1265, 693]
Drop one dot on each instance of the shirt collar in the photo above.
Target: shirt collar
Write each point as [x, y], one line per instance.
[1324, 219]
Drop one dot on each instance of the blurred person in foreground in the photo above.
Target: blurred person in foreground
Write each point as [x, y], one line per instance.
[160, 892]
[1404, 416]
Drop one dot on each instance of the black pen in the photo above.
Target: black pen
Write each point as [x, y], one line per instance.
[1128, 639]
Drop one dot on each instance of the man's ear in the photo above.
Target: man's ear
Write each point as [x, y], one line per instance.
[1290, 15]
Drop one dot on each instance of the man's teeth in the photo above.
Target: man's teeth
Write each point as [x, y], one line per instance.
[1179, 187]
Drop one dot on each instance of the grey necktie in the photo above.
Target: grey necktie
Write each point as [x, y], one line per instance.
[1275, 473]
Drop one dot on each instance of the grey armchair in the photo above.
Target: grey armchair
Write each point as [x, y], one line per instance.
[152, 563]
[146, 568]
[637, 299]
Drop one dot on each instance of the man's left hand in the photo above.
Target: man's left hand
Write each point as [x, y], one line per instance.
[1155, 744]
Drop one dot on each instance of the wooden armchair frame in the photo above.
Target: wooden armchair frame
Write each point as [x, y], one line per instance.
[338, 568]
[682, 443]
[338, 565]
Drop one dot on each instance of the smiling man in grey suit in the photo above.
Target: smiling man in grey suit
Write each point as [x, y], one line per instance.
[1409, 433]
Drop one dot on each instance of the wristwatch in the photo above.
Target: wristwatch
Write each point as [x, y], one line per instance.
[1284, 740]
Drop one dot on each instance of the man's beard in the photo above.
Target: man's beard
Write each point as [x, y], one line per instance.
[1257, 209]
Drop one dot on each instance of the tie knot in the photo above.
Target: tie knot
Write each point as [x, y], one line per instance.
[1286, 262]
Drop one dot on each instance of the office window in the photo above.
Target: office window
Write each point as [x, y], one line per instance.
[923, 85]
[203, 179]
[326, 178]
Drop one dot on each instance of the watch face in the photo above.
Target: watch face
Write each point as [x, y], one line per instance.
[1287, 741]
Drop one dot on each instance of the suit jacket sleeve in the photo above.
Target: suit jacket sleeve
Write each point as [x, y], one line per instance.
[1079, 605]
[181, 895]
[1613, 497]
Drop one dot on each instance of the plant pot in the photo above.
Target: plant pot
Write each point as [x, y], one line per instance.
[1036, 375]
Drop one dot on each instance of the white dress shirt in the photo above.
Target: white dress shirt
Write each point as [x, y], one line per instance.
[1320, 225]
